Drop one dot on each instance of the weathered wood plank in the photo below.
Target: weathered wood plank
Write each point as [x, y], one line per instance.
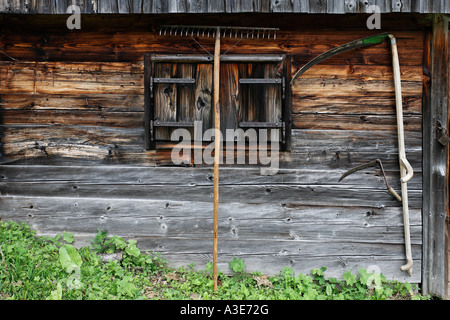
[331, 148]
[178, 219]
[369, 104]
[335, 6]
[317, 6]
[339, 88]
[358, 141]
[362, 72]
[337, 79]
[166, 98]
[81, 142]
[354, 122]
[73, 117]
[435, 273]
[272, 96]
[272, 264]
[186, 98]
[110, 45]
[291, 232]
[86, 102]
[231, 109]
[235, 6]
[75, 78]
[106, 174]
[203, 96]
[281, 6]
[216, 6]
[300, 6]
[326, 195]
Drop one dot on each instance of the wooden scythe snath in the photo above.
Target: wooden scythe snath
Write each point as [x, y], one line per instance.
[406, 171]
[217, 32]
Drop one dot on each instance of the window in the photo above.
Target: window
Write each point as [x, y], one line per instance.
[254, 93]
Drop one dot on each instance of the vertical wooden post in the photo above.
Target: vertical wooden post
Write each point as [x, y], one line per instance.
[435, 165]
[216, 151]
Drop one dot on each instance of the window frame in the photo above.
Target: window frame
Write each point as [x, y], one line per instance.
[150, 123]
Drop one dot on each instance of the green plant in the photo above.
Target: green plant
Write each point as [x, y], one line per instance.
[102, 244]
[237, 265]
[51, 268]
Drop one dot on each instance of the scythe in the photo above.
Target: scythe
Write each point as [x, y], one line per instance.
[406, 171]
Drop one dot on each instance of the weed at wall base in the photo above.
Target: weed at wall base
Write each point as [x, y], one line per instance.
[38, 268]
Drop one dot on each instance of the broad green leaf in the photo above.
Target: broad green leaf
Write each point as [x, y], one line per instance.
[237, 265]
[126, 287]
[56, 294]
[118, 242]
[329, 290]
[349, 278]
[68, 237]
[69, 257]
[132, 249]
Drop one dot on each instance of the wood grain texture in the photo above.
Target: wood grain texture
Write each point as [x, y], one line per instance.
[291, 232]
[436, 206]
[72, 111]
[228, 6]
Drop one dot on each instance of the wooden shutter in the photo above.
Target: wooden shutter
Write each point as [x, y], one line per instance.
[179, 90]
[254, 93]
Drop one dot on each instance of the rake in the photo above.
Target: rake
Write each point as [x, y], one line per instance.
[217, 32]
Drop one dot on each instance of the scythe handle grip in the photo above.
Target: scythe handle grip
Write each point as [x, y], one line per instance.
[394, 193]
[409, 170]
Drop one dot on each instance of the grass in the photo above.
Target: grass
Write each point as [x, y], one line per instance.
[43, 268]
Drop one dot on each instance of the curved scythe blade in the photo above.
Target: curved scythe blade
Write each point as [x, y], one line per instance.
[364, 42]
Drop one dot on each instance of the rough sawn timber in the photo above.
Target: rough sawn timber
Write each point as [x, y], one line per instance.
[72, 139]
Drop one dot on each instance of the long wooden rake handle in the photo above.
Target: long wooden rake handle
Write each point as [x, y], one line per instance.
[216, 151]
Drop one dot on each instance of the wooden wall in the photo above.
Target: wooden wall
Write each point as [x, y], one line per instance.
[73, 146]
[224, 6]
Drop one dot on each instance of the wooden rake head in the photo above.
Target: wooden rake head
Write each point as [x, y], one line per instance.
[225, 31]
